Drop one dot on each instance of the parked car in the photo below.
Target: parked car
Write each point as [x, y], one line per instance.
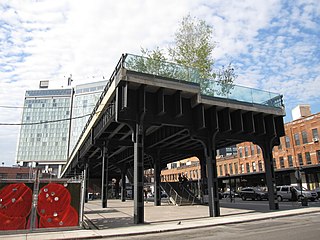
[292, 193]
[253, 193]
[226, 194]
[318, 192]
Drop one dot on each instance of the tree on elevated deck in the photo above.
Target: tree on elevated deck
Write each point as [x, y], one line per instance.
[193, 48]
[192, 52]
[194, 45]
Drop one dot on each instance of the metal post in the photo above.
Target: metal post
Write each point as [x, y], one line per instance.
[83, 192]
[86, 179]
[157, 192]
[104, 183]
[138, 175]
[33, 215]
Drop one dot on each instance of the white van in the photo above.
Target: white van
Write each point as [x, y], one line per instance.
[292, 193]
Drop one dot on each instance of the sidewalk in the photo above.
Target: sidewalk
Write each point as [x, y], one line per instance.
[117, 220]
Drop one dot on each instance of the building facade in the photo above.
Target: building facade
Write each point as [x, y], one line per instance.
[15, 173]
[44, 132]
[52, 121]
[299, 151]
[84, 100]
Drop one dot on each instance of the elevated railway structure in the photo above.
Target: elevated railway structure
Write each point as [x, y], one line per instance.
[153, 113]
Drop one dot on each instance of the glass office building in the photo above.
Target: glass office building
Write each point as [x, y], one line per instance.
[52, 122]
[84, 100]
[44, 132]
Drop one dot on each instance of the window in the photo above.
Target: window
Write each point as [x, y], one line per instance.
[84, 103]
[281, 162]
[308, 158]
[318, 156]
[236, 168]
[304, 137]
[231, 168]
[290, 163]
[246, 151]
[296, 139]
[287, 139]
[220, 170]
[260, 166]
[22, 176]
[274, 163]
[240, 152]
[258, 150]
[254, 168]
[315, 133]
[225, 169]
[3, 175]
[242, 168]
[248, 167]
[300, 159]
[252, 149]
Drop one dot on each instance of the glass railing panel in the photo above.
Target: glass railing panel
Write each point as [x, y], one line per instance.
[208, 87]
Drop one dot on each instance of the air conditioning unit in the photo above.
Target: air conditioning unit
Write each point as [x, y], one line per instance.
[315, 139]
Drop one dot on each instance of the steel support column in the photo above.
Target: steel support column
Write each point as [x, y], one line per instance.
[270, 175]
[157, 190]
[104, 178]
[138, 146]
[214, 206]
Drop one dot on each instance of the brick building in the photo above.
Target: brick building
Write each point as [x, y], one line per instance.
[299, 151]
[15, 173]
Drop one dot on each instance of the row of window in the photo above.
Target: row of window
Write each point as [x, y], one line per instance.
[46, 157]
[304, 136]
[300, 159]
[252, 151]
[297, 141]
[232, 168]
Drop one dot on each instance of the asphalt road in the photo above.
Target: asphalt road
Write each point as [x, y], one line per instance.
[262, 206]
[286, 228]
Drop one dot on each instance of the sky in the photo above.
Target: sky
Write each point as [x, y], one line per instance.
[273, 45]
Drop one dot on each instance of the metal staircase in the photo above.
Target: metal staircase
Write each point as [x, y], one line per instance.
[179, 194]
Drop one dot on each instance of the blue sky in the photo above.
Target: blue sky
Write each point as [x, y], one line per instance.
[273, 44]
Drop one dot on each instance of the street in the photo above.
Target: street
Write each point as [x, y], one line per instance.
[262, 206]
[286, 228]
